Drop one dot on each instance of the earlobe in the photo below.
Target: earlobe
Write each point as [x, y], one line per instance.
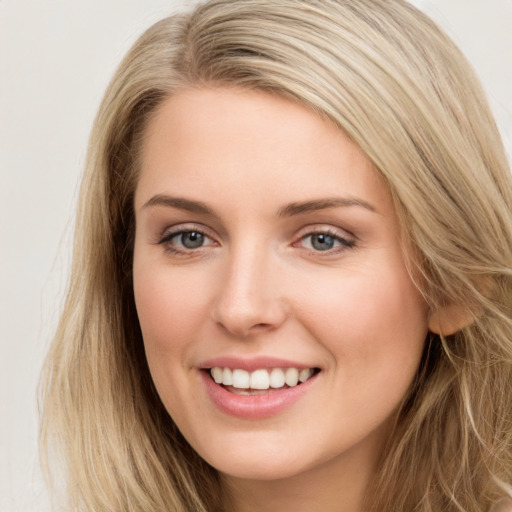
[449, 319]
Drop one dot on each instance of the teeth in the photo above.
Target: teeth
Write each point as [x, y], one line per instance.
[277, 379]
[227, 377]
[241, 379]
[217, 375]
[292, 376]
[260, 379]
[305, 374]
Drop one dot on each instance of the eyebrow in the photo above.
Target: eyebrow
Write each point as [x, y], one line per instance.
[181, 204]
[290, 210]
[323, 204]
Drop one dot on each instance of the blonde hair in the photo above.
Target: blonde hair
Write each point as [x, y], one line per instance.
[396, 85]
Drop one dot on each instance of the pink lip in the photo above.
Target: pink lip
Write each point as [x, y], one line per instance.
[250, 365]
[255, 406]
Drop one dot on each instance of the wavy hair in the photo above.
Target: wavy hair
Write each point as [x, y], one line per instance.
[392, 81]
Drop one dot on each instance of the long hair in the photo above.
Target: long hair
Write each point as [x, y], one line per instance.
[394, 83]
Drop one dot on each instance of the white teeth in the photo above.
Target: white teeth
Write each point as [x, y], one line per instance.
[292, 376]
[241, 379]
[227, 377]
[260, 379]
[305, 374]
[277, 378]
[217, 375]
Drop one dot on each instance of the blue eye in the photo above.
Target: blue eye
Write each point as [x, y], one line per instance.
[325, 241]
[185, 240]
[322, 241]
[190, 239]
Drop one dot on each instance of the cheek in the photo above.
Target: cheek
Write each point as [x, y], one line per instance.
[373, 323]
[170, 307]
[375, 330]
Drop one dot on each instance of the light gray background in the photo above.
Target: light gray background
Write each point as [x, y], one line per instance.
[56, 58]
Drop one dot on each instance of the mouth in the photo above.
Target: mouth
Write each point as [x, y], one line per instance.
[260, 387]
[261, 381]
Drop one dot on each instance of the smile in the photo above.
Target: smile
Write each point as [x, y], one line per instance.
[256, 389]
[242, 381]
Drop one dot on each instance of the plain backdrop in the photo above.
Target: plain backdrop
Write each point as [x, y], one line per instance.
[56, 58]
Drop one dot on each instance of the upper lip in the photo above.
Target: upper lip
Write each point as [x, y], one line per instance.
[252, 364]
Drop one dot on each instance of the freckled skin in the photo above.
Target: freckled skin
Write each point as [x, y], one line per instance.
[258, 287]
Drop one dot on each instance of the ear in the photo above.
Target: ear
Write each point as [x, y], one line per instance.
[449, 319]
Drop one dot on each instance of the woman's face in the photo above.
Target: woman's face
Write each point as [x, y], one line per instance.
[267, 249]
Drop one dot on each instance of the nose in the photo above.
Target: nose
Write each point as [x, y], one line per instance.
[249, 299]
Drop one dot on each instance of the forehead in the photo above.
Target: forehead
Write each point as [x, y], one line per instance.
[204, 141]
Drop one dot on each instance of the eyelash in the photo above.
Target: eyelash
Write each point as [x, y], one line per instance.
[344, 243]
[169, 247]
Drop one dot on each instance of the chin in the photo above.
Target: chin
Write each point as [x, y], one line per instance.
[259, 471]
[254, 459]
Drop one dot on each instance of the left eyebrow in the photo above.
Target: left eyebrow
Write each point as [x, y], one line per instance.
[323, 204]
[179, 203]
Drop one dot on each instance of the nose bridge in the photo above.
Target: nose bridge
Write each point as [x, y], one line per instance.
[249, 296]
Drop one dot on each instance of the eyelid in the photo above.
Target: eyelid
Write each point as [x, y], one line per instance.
[172, 231]
[312, 229]
[346, 238]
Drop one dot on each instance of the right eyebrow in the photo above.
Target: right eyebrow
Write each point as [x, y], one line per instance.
[180, 203]
[323, 204]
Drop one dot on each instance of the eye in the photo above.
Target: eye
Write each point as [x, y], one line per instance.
[324, 241]
[189, 239]
[185, 240]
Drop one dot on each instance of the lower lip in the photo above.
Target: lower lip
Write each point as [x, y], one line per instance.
[254, 406]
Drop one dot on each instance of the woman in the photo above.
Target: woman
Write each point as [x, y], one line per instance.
[292, 283]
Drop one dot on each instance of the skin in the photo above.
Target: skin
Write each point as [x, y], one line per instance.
[258, 286]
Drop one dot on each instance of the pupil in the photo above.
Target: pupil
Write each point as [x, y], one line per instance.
[192, 239]
[322, 242]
